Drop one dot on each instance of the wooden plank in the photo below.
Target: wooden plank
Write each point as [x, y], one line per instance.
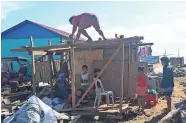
[94, 44]
[16, 94]
[51, 73]
[100, 73]
[37, 53]
[102, 107]
[144, 44]
[73, 77]
[33, 66]
[122, 75]
[65, 46]
[129, 50]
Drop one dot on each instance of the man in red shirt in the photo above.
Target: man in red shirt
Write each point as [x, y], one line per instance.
[84, 21]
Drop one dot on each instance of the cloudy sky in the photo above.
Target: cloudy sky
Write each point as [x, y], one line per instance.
[163, 23]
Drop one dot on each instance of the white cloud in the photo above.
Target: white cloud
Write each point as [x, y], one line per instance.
[168, 35]
[8, 7]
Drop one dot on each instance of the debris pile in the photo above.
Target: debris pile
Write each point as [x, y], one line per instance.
[34, 110]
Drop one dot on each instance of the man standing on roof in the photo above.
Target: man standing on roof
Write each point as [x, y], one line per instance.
[84, 21]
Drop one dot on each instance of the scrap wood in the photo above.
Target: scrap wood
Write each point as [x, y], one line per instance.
[100, 73]
[17, 94]
[103, 107]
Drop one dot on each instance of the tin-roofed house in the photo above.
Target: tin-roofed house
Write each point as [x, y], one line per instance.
[19, 35]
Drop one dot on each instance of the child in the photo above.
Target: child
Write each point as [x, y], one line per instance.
[84, 78]
[141, 89]
[167, 84]
[99, 87]
[96, 72]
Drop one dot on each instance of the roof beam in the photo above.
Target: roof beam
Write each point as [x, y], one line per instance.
[84, 45]
[39, 53]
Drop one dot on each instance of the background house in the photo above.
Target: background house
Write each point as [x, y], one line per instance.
[19, 35]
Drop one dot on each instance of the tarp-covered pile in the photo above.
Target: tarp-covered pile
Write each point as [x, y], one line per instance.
[35, 111]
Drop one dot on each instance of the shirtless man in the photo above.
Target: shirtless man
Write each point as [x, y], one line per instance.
[84, 21]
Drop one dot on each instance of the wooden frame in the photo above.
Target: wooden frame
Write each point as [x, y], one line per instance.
[117, 43]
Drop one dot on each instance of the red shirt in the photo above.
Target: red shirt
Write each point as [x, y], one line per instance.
[76, 19]
[142, 82]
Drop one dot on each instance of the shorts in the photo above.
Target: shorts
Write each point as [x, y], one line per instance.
[89, 20]
[141, 91]
[168, 91]
[84, 87]
[141, 100]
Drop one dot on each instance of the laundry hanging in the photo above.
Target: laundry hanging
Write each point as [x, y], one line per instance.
[145, 51]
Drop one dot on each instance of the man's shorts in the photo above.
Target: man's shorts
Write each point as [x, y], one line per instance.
[89, 20]
[168, 91]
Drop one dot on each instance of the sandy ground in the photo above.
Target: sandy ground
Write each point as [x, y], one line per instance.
[157, 112]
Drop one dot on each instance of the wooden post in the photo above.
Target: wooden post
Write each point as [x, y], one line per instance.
[129, 68]
[61, 62]
[51, 73]
[73, 77]
[50, 60]
[122, 75]
[49, 44]
[33, 66]
[100, 73]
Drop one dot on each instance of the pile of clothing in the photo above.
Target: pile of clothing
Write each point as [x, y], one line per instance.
[145, 51]
[56, 103]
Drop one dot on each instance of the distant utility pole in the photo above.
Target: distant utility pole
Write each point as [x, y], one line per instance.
[165, 53]
[178, 52]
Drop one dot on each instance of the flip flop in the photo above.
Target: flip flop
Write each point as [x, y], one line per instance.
[147, 115]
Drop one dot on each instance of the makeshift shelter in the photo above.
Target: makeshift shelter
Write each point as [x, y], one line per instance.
[117, 59]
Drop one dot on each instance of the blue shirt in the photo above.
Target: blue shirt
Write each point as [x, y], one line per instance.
[168, 77]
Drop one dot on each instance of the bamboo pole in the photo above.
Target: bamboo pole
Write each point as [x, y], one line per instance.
[122, 76]
[100, 73]
[33, 66]
[73, 77]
